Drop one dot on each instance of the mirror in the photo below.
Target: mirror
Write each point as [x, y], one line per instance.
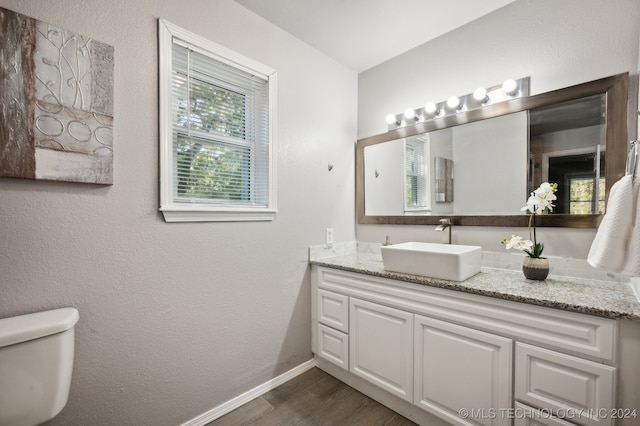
[437, 172]
[479, 166]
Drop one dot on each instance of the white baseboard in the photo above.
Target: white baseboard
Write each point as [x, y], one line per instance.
[236, 402]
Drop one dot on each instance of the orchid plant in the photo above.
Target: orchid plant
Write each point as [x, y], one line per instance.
[540, 201]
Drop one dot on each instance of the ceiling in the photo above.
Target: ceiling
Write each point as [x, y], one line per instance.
[584, 112]
[364, 33]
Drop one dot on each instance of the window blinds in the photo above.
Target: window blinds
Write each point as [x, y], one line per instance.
[416, 180]
[220, 131]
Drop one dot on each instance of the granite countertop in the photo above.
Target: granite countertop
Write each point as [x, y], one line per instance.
[593, 297]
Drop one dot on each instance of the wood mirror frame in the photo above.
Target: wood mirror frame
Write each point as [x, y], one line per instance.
[615, 89]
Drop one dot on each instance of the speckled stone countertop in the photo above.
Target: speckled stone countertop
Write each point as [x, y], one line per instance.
[601, 298]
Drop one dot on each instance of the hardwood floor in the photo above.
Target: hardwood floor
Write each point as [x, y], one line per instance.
[313, 398]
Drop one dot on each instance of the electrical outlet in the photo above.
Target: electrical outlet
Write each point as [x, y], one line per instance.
[329, 236]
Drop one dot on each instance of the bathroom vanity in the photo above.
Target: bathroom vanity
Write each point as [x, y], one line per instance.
[495, 349]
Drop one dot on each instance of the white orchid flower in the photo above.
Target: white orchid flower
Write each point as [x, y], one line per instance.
[541, 199]
[532, 203]
[539, 202]
[517, 242]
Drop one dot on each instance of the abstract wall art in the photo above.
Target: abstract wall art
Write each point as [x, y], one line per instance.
[56, 103]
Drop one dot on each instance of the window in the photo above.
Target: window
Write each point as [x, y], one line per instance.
[584, 198]
[416, 176]
[580, 175]
[217, 120]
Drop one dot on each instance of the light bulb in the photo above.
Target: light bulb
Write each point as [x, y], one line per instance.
[391, 119]
[409, 114]
[480, 95]
[453, 102]
[510, 87]
[431, 108]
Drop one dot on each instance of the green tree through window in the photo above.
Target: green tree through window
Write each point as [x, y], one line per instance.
[207, 167]
[581, 196]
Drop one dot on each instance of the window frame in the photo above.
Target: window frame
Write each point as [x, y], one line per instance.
[173, 210]
[422, 180]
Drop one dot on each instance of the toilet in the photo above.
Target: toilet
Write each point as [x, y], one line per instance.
[36, 361]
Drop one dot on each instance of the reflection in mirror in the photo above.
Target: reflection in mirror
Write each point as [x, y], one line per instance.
[384, 178]
[490, 157]
[487, 157]
[443, 177]
[417, 182]
[568, 146]
[576, 137]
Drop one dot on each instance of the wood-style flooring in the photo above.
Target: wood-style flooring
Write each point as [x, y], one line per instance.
[312, 398]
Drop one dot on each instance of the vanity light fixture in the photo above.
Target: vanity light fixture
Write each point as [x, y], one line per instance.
[480, 95]
[411, 114]
[392, 120]
[480, 98]
[432, 109]
[510, 87]
[453, 103]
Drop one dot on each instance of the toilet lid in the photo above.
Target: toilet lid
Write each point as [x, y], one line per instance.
[22, 328]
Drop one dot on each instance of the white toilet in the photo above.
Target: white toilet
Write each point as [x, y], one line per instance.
[36, 361]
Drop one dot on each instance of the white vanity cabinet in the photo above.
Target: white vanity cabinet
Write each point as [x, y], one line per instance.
[372, 341]
[465, 359]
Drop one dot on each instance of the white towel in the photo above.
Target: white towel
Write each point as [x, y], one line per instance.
[631, 265]
[609, 247]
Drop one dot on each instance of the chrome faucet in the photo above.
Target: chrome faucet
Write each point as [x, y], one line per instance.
[445, 224]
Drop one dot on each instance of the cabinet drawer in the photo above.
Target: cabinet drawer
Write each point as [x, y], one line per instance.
[528, 416]
[563, 383]
[333, 346]
[333, 310]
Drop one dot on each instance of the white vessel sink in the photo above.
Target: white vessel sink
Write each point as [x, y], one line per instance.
[446, 261]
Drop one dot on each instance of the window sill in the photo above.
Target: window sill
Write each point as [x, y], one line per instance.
[199, 214]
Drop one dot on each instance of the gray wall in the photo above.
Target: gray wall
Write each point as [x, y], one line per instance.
[176, 319]
[557, 43]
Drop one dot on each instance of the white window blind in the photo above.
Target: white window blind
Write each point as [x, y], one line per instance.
[219, 138]
[416, 186]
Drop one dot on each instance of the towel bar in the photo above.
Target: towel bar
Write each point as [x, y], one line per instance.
[632, 158]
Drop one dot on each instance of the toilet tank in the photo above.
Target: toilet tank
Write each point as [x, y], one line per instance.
[36, 362]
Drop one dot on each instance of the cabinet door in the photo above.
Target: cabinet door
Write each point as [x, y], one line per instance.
[563, 383]
[381, 346]
[458, 368]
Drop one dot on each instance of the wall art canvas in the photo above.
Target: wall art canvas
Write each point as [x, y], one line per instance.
[56, 103]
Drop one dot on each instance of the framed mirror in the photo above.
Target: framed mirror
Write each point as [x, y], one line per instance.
[479, 166]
